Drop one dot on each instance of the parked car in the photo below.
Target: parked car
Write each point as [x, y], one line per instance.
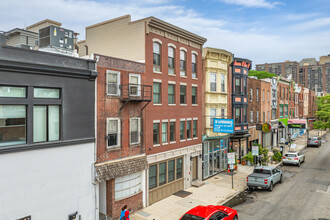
[264, 177]
[293, 157]
[210, 212]
[314, 141]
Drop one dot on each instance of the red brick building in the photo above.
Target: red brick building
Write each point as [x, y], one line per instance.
[172, 127]
[121, 161]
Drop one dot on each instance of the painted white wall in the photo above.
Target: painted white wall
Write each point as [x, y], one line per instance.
[48, 184]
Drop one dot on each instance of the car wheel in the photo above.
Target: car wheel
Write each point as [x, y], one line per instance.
[281, 180]
[271, 187]
[235, 217]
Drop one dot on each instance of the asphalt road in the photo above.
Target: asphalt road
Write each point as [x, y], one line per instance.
[304, 194]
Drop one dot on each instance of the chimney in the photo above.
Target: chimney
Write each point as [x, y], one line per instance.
[2, 38]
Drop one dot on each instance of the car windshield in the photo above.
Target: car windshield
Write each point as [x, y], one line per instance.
[313, 138]
[191, 217]
[290, 155]
[262, 171]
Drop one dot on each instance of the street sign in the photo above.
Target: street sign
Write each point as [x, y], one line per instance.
[255, 150]
[231, 158]
[223, 125]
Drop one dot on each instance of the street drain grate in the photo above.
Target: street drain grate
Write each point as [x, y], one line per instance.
[182, 193]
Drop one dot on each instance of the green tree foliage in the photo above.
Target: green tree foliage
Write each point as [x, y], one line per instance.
[261, 74]
[323, 113]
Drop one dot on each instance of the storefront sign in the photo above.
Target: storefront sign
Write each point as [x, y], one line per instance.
[274, 124]
[266, 127]
[223, 125]
[243, 64]
[255, 150]
[259, 127]
[231, 158]
[297, 123]
[300, 126]
[284, 121]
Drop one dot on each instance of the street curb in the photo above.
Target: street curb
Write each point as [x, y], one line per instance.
[235, 194]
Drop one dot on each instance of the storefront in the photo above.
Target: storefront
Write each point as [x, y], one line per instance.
[214, 155]
[297, 127]
[274, 124]
[266, 135]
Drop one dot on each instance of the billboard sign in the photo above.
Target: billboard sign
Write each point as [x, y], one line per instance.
[223, 125]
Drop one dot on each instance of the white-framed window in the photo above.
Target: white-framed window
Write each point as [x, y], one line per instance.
[213, 82]
[164, 132]
[183, 64]
[194, 66]
[222, 113]
[213, 114]
[113, 132]
[113, 82]
[223, 85]
[257, 116]
[251, 117]
[171, 60]
[135, 130]
[251, 94]
[128, 185]
[257, 92]
[156, 56]
[134, 84]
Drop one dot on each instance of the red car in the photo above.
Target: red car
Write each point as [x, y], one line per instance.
[210, 212]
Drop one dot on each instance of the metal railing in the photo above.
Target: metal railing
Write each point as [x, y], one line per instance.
[136, 92]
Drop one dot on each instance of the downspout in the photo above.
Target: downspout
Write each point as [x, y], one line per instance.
[96, 184]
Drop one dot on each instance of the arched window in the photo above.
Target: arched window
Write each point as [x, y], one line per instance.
[194, 65]
[156, 56]
[183, 57]
[171, 60]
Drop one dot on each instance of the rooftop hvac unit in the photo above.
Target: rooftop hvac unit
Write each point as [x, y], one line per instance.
[56, 37]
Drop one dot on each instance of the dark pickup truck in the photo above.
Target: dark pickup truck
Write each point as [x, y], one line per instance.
[264, 177]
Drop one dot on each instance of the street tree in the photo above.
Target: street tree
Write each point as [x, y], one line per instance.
[261, 74]
[323, 113]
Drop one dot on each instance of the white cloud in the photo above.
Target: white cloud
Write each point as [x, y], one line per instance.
[297, 17]
[252, 40]
[253, 3]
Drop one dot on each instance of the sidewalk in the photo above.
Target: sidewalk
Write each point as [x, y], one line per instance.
[216, 191]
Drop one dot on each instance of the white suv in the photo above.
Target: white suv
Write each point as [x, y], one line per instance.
[293, 157]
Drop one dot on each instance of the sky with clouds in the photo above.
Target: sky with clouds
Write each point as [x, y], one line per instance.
[260, 30]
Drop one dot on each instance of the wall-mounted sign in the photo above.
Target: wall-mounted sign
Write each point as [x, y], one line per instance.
[223, 125]
[231, 158]
[266, 127]
[243, 64]
[258, 127]
[300, 126]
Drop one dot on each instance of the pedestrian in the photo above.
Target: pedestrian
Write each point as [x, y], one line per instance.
[124, 215]
[259, 159]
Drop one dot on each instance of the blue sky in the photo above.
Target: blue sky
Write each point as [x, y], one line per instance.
[260, 30]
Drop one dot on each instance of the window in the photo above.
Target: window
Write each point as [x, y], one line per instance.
[182, 128]
[156, 133]
[182, 63]
[274, 94]
[244, 86]
[268, 97]
[135, 130]
[273, 113]
[46, 93]
[171, 60]
[251, 94]
[251, 117]
[153, 176]
[183, 94]
[213, 82]
[188, 129]
[46, 123]
[194, 128]
[281, 111]
[244, 115]
[238, 115]
[179, 166]
[263, 116]
[128, 185]
[172, 131]
[286, 110]
[171, 171]
[268, 116]
[222, 113]
[171, 94]
[257, 116]
[113, 130]
[162, 173]
[263, 95]
[164, 132]
[213, 114]
[12, 122]
[156, 57]
[223, 85]
[194, 66]
[283, 93]
[12, 92]
[257, 92]
[134, 85]
[113, 82]
[157, 93]
[193, 95]
[237, 86]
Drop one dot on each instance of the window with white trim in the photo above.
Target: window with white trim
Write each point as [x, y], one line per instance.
[171, 60]
[251, 117]
[183, 57]
[113, 82]
[164, 132]
[194, 66]
[213, 114]
[223, 85]
[156, 56]
[128, 185]
[113, 132]
[213, 82]
[135, 130]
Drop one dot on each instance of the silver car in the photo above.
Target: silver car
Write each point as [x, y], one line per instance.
[293, 157]
[314, 141]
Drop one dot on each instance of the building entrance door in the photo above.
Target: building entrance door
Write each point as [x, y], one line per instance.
[194, 168]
